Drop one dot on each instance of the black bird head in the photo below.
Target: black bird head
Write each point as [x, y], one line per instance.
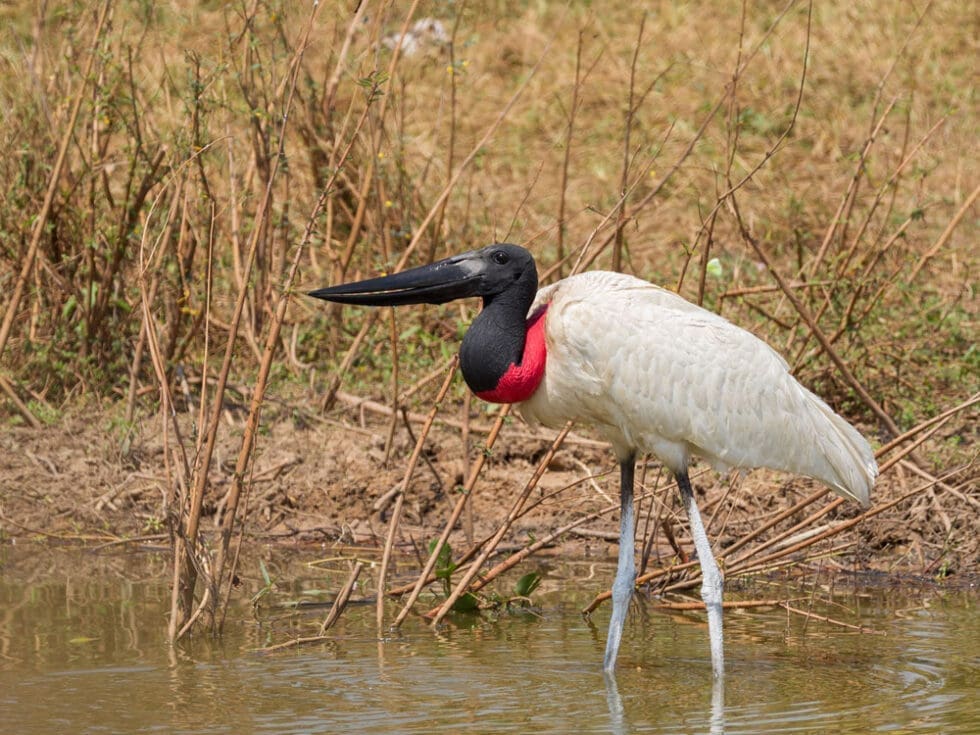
[487, 272]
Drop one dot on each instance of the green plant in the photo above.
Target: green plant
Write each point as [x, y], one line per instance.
[443, 571]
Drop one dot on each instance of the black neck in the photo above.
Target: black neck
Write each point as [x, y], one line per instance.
[495, 340]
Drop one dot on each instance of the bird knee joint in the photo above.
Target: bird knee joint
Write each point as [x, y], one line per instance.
[623, 585]
[712, 586]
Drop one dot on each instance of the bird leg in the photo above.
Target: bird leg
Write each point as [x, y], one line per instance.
[622, 590]
[712, 585]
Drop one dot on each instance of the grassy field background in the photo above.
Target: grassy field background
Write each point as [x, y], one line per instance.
[174, 174]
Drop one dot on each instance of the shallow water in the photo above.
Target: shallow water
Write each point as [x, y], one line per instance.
[82, 650]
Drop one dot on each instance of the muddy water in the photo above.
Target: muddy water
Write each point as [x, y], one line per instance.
[82, 650]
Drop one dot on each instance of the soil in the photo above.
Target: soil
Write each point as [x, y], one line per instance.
[319, 478]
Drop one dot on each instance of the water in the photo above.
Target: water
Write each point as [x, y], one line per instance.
[82, 650]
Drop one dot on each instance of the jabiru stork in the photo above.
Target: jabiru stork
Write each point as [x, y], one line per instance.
[652, 372]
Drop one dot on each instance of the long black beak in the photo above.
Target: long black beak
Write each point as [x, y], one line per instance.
[453, 278]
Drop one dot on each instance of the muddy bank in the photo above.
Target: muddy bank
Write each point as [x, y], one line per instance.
[325, 479]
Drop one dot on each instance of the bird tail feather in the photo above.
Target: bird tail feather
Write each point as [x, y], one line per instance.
[849, 457]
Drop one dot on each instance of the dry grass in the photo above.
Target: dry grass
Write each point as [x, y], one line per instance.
[203, 179]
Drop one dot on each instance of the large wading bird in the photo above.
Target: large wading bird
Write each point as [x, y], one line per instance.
[652, 372]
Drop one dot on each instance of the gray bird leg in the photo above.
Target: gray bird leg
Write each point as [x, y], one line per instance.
[712, 585]
[622, 590]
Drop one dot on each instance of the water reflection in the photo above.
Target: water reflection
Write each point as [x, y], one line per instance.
[617, 716]
[717, 722]
[82, 649]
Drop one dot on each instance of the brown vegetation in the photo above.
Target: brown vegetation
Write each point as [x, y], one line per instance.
[173, 173]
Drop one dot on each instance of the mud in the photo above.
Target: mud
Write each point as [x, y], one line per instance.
[325, 479]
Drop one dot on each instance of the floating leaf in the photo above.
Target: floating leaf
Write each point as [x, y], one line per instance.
[527, 584]
[467, 602]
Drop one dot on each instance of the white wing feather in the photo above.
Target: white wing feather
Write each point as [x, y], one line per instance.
[656, 373]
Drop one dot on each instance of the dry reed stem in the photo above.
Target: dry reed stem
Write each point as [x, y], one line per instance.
[583, 262]
[848, 319]
[464, 166]
[824, 619]
[907, 450]
[804, 314]
[403, 488]
[425, 380]
[519, 556]
[584, 259]
[203, 464]
[791, 532]
[464, 440]
[617, 245]
[293, 642]
[775, 520]
[739, 565]
[766, 563]
[727, 604]
[206, 356]
[336, 610]
[652, 523]
[374, 144]
[733, 134]
[193, 616]
[642, 580]
[40, 222]
[340, 603]
[366, 404]
[851, 200]
[451, 143]
[393, 422]
[753, 290]
[945, 487]
[890, 184]
[550, 538]
[569, 129]
[859, 170]
[463, 562]
[454, 516]
[334, 82]
[947, 233]
[182, 548]
[268, 354]
[338, 377]
[841, 268]
[11, 392]
[845, 525]
[488, 548]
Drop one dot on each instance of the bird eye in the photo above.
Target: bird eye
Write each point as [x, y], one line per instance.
[499, 257]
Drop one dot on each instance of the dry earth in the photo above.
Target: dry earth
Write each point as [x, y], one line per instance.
[318, 479]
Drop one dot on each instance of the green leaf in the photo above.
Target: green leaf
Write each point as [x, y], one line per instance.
[467, 602]
[69, 308]
[444, 560]
[265, 573]
[527, 584]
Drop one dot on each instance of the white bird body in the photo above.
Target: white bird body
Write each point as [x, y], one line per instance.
[656, 373]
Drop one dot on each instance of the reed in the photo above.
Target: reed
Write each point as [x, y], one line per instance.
[161, 204]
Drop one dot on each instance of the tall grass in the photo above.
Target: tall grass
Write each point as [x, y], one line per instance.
[810, 172]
